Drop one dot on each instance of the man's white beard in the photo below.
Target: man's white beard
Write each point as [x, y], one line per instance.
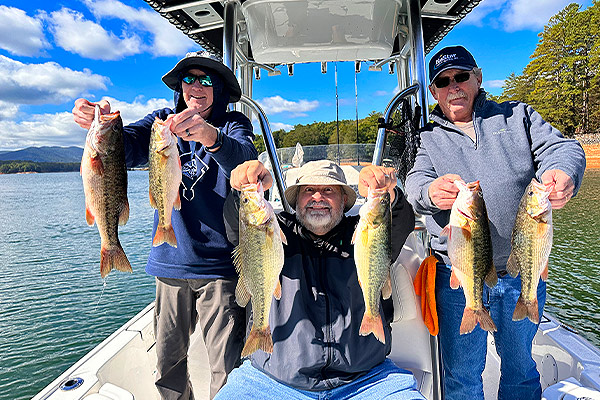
[319, 220]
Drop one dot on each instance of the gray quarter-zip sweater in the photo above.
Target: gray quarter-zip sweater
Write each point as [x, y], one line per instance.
[512, 145]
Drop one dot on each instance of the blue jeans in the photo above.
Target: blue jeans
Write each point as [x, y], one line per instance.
[385, 381]
[464, 355]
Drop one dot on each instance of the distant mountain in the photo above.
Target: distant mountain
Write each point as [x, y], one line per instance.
[44, 154]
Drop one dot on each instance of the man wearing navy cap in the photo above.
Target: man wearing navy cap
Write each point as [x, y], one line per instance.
[503, 146]
[195, 281]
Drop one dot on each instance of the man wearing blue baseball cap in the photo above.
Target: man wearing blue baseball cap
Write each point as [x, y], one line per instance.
[503, 146]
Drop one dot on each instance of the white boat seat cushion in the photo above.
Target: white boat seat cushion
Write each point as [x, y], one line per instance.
[108, 391]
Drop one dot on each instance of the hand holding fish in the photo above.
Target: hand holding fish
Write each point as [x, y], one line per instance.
[443, 191]
[377, 177]
[84, 110]
[563, 187]
[252, 171]
[190, 126]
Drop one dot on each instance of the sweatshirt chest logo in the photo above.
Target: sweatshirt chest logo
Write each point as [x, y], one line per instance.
[194, 170]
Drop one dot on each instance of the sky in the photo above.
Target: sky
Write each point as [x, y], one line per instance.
[54, 52]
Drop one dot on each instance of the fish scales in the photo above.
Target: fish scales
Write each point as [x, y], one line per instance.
[531, 245]
[164, 180]
[372, 255]
[258, 258]
[104, 178]
[470, 252]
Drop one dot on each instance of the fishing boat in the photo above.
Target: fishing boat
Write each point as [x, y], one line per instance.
[265, 36]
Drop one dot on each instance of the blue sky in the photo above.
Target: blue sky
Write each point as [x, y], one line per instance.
[53, 52]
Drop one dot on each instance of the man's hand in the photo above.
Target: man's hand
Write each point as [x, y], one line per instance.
[377, 177]
[190, 126]
[563, 187]
[443, 191]
[251, 171]
[84, 111]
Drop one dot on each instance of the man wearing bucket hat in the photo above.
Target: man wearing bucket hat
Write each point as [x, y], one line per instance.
[317, 350]
[195, 282]
[503, 146]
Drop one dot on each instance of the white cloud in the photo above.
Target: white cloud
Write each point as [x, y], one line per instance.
[275, 126]
[478, 15]
[494, 83]
[380, 93]
[60, 130]
[277, 104]
[45, 83]
[166, 38]
[88, 39]
[20, 34]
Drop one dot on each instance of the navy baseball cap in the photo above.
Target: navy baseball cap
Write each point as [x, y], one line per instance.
[450, 57]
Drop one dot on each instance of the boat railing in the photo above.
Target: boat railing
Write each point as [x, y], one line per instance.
[270, 146]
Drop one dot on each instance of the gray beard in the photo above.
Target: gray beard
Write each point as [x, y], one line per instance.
[318, 222]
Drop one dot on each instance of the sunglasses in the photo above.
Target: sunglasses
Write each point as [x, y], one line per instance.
[458, 78]
[203, 79]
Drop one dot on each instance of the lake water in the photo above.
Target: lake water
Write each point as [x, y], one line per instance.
[54, 307]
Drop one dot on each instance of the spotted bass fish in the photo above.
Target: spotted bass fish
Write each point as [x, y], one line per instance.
[258, 260]
[165, 178]
[470, 251]
[372, 254]
[531, 245]
[105, 187]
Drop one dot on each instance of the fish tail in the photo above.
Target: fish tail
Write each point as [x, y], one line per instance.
[258, 339]
[527, 309]
[472, 317]
[372, 323]
[164, 234]
[113, 258]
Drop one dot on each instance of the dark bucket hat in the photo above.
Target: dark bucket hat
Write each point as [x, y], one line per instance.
[322, 172]
[203, 59]
[450, 57]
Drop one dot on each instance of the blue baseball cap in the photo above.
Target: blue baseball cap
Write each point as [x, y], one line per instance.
[450, 57]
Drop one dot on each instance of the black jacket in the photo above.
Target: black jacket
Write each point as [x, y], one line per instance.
[315, 325]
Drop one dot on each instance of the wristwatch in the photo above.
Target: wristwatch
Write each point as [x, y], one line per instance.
[218, 143]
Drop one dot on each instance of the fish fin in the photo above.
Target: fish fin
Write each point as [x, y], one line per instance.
[491, 279]
[386, 290]
[97, 165]
[152, 201]
[258, 339]
[164, 234]
[177, 203]
[454, 281]
[446, 231]
[354, 237]
[277, 292]
[527, 309]
[114, 258]
[466, 232]
[544, 273]
[124, 214]
[283, 238]
[372, 323]
[242, 295]
[472, 317]
[89, 217]
[511, 266]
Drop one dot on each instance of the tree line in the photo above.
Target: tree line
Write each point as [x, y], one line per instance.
[14, 167]
[562, 80]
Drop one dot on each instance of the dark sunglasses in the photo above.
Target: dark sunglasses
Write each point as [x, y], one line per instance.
[203, 79]
[458, 78]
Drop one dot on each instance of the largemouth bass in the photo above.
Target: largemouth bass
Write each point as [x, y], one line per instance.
[470, 251]
[372, 254]
[531, 245]
[165, 178]
[258, 260]
[105, 187]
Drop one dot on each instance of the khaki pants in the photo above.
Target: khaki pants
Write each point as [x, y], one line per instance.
[180, 305]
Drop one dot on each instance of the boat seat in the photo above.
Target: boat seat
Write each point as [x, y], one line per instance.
[411, 348]
[108, 391]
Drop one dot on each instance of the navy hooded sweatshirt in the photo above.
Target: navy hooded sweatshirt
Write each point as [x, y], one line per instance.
[203, 250]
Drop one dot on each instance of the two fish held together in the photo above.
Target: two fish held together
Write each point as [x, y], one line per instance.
[164, 176]
[372, 254]
[258, 259]
[105, 186]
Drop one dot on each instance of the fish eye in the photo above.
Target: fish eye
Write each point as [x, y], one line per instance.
[530, 193]
[245, 200]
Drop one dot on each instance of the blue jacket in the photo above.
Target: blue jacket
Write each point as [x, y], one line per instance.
[513, 144]
[203, 250]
